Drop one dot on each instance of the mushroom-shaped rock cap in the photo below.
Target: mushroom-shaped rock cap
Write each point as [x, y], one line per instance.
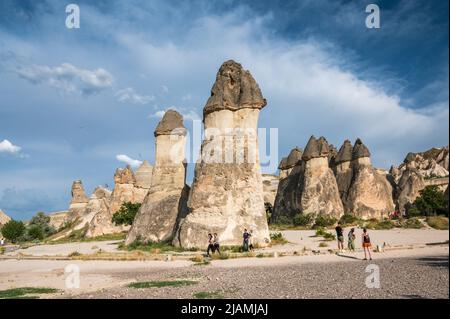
[311, 149]
[294, 156]
[345, 153]
[324, 148]
[282, 164]
[234, 89]
[410, 157]
[171, 124]
[360, 150]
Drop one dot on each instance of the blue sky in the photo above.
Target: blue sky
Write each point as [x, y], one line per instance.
[74, 99]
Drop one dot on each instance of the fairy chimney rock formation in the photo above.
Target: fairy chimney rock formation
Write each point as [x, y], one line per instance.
[409, 185]
[342, 169]
[165, 203]
[79, 199]
[99, 214]
[227, 193]
[123, 191]
[370, 193]
[317, 189]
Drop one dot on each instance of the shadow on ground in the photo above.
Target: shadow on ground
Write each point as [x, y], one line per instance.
[438, 261]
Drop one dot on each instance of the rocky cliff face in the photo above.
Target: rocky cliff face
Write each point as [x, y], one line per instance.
[4, 218]
[286, 201]
[98, 214]
[370, 193]
[165, 203]
[317, 187]
[409, 185]
[270, 186]
[227, 192]
[433, 163]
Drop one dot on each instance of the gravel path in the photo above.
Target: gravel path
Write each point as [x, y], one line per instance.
[413, 277]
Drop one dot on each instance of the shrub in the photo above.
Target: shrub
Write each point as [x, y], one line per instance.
[125, 215]
[277, 238]
[431, 201]
[414, 212]
[43, 222]
[322, 244]
[414, 223]
[376, 224]
[348, 219]
[13, 230]
[35, 232]
[324, 221]
[321, 232]
[438, 222]
[303, 219]
[284, 220]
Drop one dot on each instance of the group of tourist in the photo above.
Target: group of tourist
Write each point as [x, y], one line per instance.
[214, 246]
[366, 244]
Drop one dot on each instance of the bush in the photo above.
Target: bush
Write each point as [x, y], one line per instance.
[303, 219]
[13, 230]
[414, 212]
[284, 220]
[43, 222]
[276, 238]
[378, 225]
[414, 223]
[324, 221]
[321, 232]
[348, 219]
[125, 215]
[431, 201]
[35, 232]
[438, 222]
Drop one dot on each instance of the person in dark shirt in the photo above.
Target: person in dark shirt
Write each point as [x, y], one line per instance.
[210, 245]
[340, 236]
[246, 238]
[366, 244]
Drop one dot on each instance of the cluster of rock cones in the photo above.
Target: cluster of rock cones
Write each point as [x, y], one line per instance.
[226, 196]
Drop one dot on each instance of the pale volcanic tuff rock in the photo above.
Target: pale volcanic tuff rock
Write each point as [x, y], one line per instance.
[286, 200]
[4, 218]
[317, 188]
[343, 170]
[409, 185]
[99, 213]
[79, 199]
[370, 193]
[165, 203]
[270, 186]
[433, 163]
[227, 191]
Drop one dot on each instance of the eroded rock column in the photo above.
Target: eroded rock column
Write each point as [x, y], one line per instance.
[165, 203]
[227, 193]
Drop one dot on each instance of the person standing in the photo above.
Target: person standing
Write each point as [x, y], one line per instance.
[340, 236]
[250, 240]
[351, 240]
[210, 245]
[246, 238]
[216, 243]
[366, 244]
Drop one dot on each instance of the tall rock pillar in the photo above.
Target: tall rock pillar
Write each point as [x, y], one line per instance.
[165, 203]
[227, 193]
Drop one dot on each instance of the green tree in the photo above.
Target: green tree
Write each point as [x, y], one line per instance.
[431, 201]
[35, 232]
[13, 230]
[125, 215]
[43, 222]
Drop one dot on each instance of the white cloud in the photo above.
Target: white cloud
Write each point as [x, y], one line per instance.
[128, 160]
[188, 114]
[7, 147]
[67, 77]
[130, 95]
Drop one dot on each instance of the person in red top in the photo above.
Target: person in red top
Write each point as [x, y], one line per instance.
[366, 244]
